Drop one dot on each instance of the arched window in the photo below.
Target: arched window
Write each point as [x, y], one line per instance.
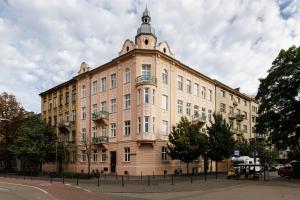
[165, 76]
[127, 75]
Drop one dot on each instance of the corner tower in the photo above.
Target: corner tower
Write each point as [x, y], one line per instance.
[145, 38]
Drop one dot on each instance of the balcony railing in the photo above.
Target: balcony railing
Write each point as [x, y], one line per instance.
[199, 119]
[231, 116]
[238, 131]
[100, 115]
[100, 139]
[144, 79]
[63, 124]
[239, 117]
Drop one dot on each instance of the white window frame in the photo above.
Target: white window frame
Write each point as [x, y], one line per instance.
[146, 95]
[127, 75]
[94, 87]
[127, 101]
[165, 127]
[113, 105]
[164, 102]
[103, 84]
[165, 76]
[126, 154]
[113, 80]
[113, 129]
[127, 128]
[146, 124]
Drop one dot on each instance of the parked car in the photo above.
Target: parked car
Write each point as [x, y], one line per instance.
[285, 171]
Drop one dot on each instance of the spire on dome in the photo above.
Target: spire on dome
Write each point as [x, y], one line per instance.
[146, 26]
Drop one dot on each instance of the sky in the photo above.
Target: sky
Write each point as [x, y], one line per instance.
[43, 43]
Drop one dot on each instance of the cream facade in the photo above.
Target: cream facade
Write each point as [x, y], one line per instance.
[126, 108]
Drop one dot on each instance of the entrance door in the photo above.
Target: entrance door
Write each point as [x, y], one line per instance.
[113, 161]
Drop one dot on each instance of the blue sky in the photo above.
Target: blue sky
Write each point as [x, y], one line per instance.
[42, 43]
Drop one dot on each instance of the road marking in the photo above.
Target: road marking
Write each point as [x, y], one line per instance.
[26, 186]
[4, 189]
[87, 190]
[67, 184]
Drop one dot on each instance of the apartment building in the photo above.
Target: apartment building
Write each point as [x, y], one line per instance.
[126, 108]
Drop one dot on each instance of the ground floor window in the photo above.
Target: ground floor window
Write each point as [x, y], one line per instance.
[95, 156]
[126, 154]
[84, 156]
[104, 156]
[164, 153]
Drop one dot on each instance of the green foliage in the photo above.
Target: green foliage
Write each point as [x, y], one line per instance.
[220, 139]
[187, 142]
[279, 94]
[35, 143]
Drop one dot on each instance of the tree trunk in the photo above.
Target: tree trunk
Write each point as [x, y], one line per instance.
[187, 168]
[216, 169]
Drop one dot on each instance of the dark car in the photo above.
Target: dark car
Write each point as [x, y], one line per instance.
[285, 171]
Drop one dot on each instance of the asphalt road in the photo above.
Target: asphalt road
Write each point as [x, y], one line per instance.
[12, 191]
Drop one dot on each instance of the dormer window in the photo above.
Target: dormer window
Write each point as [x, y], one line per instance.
[127, 48]
[146, 42]
[164, 50]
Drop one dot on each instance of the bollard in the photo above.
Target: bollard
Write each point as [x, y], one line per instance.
[264, 175]
[30, 175]
[205, 175]
[122, 181]
[63, 179]
[148, 180]
[141, 176]
[98, 182]
[50, 178]
[191, 179]
[116, 176]
[153, 176]
[164, 175]
[105, 176]
[172, 181]
[77, 180]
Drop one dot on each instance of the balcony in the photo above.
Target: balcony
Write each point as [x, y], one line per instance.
[64, 127]
[145, 80]
[237, 131]
[100, 116]
[199, 119]
[100, 140]
[231, 116]
[239, 117]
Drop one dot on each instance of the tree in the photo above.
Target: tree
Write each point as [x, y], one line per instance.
[35, 143]
[220, 140]
[12, 116]
[186, 141]
[279, 95]
[87, 148]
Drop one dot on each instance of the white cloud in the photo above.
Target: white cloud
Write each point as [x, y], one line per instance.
[43, 42]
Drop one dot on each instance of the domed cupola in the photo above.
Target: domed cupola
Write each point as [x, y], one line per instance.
[146, 27]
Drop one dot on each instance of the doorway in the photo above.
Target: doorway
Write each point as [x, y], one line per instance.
[113, 161]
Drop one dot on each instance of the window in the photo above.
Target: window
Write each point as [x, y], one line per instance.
[95, 88]
[55, 102]
[245, 128]
[164, 102]
[230, 110]
[231, 97]
[239, 99]
[138, 96]
[84, 156]
[103, 84]
[127, 75]
[67, 116]
[61, 99]
[113, 105]
[238, 111]
[245, 115]
[203, 92]
[196, 110]
[83, 91]
[203, 112]
[83, 134]
[73, 95]
[253, 119]
[50, 104]
[245, 102]
[113, 83]
[113, 131]
[153, 96]
[103, 106]
[127, 101]
[209, 115]
[146, 124]
[222, 107]
[188, 86]
[146, 95]
[179, 82]
[164, 153]
[188, 108]
[95, 156]
[146, 70]
[139, 125]
[164, 128]
[104, 155]
[210, 95]
[196, 89]
[83, 113]
[165, 76]
[179, 106]
[94, 132]
[153, 124]
[94, 108]
[126, 154]
[73, 115]
[67, 97]
[222, 93]
[238, 126]
[127, 127]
